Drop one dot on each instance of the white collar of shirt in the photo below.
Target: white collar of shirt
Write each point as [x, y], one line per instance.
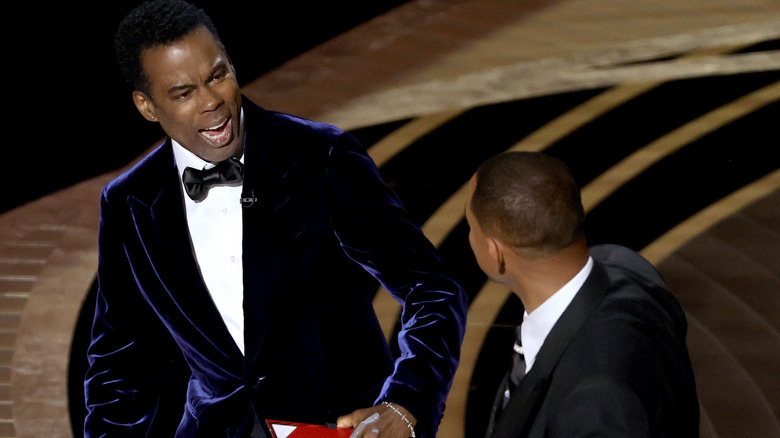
[537, 324]
[185, 158]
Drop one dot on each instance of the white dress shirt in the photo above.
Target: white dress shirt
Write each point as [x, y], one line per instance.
[537, 324]
[216, 232]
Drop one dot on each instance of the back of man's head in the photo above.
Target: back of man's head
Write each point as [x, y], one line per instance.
[151, 24]
[528, 200]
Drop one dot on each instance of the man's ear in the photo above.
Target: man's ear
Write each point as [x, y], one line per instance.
[496, 250]
[145, 105]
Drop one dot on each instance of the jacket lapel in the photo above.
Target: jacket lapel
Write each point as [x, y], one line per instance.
[524, 405]
[271, 224]
[161, 224]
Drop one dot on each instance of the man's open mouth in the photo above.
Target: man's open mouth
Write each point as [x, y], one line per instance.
[218, 134]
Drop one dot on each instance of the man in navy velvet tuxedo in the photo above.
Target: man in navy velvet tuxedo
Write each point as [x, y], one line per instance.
[601, 350]
[264, 280]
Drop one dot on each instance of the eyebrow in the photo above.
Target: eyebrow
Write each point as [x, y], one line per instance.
[219, 66]
[176, 88]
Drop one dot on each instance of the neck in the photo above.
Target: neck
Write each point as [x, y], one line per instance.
[536, 278]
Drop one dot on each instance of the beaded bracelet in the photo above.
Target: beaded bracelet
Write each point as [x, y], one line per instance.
[403, 417]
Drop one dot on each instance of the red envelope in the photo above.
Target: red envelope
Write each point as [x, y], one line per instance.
[289, 429]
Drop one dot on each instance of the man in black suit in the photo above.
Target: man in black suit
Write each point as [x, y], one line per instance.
[601, 350]
[264, 281]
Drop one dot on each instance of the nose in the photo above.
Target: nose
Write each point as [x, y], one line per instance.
[212, 100]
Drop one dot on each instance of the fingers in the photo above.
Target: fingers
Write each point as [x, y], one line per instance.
[347, 421]
[385, 421]
[366, 428]
[354, 418]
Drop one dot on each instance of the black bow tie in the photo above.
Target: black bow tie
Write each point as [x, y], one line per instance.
[198, 182]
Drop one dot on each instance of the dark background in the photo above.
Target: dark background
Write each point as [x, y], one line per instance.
[69, 115]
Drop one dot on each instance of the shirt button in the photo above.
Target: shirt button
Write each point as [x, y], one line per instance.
[224, 210]
[233, 259]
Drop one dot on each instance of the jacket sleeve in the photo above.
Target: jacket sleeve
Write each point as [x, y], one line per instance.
[377, 232]
[122, 383]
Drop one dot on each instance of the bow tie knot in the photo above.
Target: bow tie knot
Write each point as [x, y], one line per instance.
[198, 182]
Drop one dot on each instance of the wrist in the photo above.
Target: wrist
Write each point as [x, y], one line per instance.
[405, 416]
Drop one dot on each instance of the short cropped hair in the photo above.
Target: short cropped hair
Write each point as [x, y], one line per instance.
[528, 200]
[151, 24]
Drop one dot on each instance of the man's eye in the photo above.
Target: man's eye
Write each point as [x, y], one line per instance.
[184, 94]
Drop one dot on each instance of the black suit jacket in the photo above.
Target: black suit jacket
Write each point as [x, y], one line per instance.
[324, 231]
[615, 363]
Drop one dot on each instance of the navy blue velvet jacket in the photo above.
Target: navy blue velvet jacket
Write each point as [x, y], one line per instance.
[325, 228]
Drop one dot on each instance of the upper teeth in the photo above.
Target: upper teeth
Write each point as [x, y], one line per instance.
[215, 127]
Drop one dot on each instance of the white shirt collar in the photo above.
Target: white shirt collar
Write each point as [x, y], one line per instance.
[185, 158]
[537, 325]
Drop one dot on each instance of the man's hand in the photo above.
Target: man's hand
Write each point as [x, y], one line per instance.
[378, 422]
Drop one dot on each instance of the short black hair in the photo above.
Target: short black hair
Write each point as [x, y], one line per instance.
[151, 24]
[528, 200]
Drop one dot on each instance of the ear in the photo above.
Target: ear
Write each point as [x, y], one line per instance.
[496, 250]
[145, 105]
